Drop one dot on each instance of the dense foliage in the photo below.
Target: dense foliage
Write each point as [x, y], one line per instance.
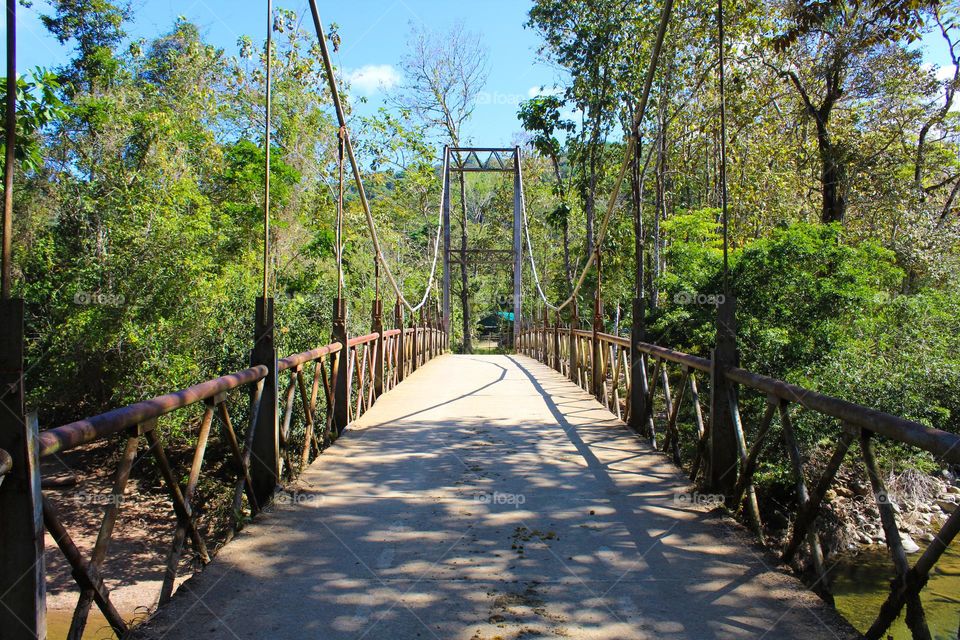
[139, 208]
[140, 193]
[843, 180]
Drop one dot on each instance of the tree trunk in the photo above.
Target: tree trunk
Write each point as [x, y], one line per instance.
[636, 192]
[659, 209]
[832, 175]
[591, 199]
[566, 222]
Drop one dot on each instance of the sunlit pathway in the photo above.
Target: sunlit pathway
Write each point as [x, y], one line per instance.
[488, 497]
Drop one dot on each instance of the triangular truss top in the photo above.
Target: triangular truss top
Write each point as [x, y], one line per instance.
[481, 159]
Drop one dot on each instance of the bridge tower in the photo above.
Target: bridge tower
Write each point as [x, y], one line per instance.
[465, 160]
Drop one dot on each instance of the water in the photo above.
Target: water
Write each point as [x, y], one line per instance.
[58, 625]
[861, 584]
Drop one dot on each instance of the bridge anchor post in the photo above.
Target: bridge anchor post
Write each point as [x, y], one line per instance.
[401, 363]
[723, 453]
[597, 376]
[340, 367]
[638, 394]
[574, 371]
[557, 364]
[265, 461]
[376, 326]
[22, 586]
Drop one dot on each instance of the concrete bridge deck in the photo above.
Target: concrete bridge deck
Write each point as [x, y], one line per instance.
[488, 497]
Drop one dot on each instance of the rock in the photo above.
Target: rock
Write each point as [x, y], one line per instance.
[953, 489]
[844, 491]
[909, 545]
[946, 505]
[928, 537]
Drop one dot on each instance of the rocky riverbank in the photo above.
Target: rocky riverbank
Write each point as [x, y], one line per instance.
[921, 501]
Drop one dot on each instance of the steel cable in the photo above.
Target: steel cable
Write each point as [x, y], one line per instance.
[627, 158]
[371, 224]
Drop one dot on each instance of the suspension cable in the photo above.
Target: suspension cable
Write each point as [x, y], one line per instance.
[627, 158]
[371, 224]
[526, 230]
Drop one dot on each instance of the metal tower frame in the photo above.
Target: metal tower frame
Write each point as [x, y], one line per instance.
[465, 160]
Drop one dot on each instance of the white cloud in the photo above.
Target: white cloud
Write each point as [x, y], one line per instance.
[944, 73]
[371, 78]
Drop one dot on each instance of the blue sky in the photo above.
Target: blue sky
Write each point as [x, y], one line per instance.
[374, 34]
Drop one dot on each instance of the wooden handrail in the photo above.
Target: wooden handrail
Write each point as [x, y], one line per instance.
[87, 430]
[308, 356]
[945, 445]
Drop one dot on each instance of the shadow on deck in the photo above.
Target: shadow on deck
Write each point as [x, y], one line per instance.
[489, 497]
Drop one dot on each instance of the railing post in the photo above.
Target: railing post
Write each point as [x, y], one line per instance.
[415, 351]
[430, 333]
[425, 322]
[440, 346]
[556, 343]
[574, 359]
[430, 341]
[339, 367]
[376, 326]
[724, 455]
[542, 335]
[401, 362]
[265, 458]
[544, 341]
[638, 395]
[22, 587]
[595, 369]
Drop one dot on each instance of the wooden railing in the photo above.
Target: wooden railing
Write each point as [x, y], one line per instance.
[600, 363]
[376, 362]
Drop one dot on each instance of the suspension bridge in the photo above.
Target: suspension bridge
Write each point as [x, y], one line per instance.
[585, 485]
